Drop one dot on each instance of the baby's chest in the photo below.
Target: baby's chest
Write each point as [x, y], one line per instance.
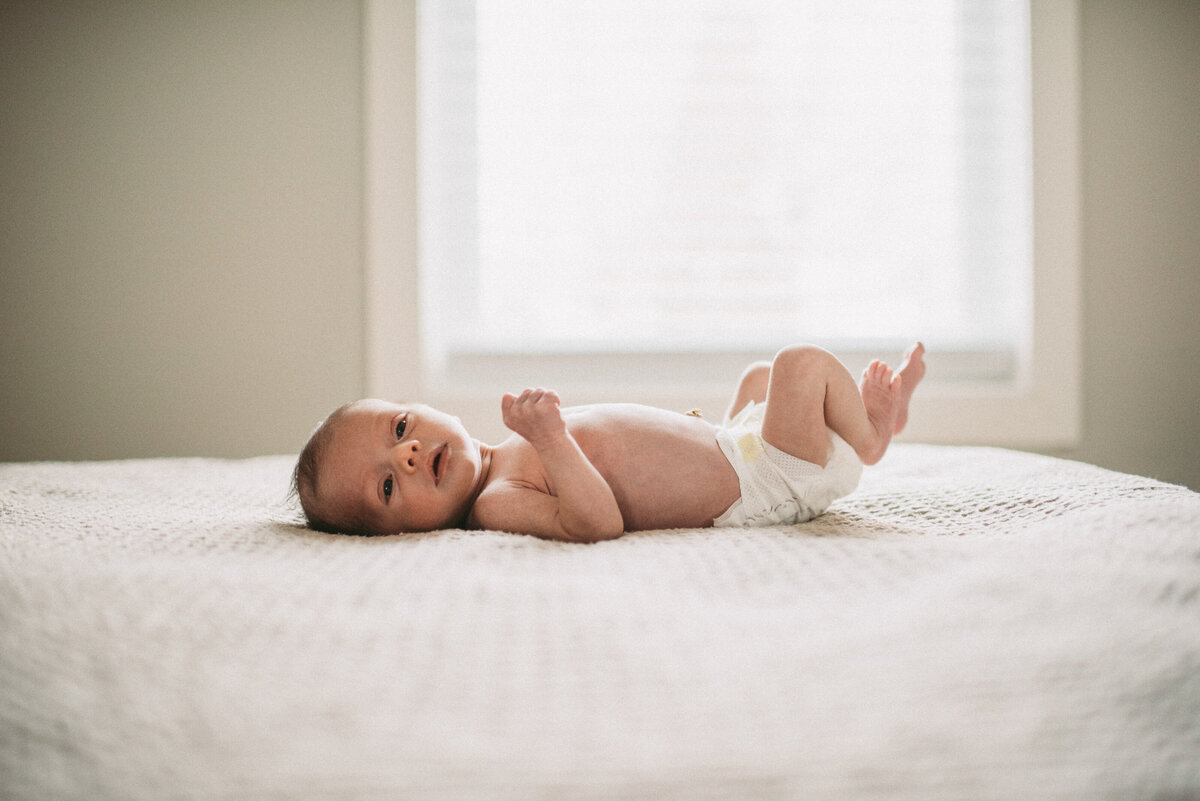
[658, 460]
[670, 476]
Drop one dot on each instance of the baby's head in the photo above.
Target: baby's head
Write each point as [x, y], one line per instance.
[374, 467]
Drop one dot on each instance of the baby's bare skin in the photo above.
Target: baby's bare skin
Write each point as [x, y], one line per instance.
[665, 469]
[595, 472]
[591, 473]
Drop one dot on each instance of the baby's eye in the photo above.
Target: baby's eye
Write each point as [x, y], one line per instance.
[387, 487]
[401, 426]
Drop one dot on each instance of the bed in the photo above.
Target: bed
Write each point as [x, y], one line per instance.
[972, 623]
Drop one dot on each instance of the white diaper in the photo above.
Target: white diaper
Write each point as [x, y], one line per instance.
[778, 488]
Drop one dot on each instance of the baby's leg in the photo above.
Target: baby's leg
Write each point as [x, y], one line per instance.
[751, 387]
[810, 390]
[911, 371]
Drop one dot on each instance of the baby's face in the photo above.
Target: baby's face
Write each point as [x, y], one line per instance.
[395, 468]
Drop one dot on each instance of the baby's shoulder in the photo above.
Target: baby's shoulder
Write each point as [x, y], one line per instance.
[505, 500]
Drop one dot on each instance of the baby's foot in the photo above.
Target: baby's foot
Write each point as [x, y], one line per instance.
[911, 372]
[881, 393]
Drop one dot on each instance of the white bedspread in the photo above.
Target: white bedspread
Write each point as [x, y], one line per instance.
[970, 624]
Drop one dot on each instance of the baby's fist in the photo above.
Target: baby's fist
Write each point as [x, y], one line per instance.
[535, 415]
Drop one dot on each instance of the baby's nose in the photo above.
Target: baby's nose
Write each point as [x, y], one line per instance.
[408, 456]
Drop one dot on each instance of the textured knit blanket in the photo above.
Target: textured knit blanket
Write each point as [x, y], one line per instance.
[970, 624]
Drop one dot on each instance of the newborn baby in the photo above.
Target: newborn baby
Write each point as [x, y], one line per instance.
[794, 440]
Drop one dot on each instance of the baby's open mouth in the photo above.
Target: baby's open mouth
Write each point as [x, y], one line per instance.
[437, 465]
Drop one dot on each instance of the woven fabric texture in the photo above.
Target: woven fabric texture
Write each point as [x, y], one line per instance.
[970, 623]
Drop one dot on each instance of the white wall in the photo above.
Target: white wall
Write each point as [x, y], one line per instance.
[181, 208]
[182, 252]
[1141, 237]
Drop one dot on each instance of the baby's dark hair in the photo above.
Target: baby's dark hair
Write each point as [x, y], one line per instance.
[307, 473]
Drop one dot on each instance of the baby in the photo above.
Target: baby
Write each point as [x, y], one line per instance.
[794, 439]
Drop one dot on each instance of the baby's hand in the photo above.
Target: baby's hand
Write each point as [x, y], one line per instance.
[534, 415]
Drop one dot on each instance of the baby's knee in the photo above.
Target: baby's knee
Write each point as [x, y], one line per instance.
[801, 358]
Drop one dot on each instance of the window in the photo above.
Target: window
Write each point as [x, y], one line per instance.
[635, 199]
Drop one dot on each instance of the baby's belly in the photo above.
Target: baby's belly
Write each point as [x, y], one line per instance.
[665, 468]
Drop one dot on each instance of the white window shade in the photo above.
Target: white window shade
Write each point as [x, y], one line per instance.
[861, 254]
[725, 176]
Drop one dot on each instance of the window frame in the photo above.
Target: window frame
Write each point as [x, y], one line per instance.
[1038, 406]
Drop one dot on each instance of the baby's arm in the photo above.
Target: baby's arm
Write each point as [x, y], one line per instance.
[583, 507]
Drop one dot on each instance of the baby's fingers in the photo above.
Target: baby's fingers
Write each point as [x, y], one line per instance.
[533, 414]
[543, 396]
[530, 397]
